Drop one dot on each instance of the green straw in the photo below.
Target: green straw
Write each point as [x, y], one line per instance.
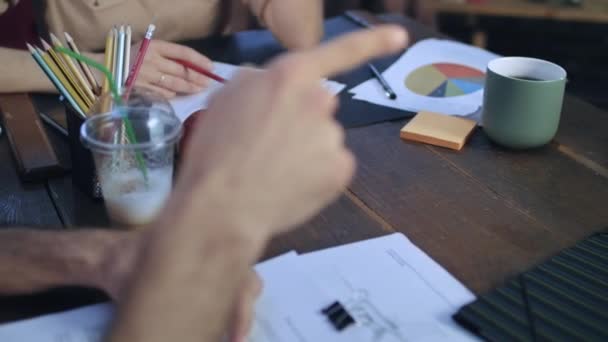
[129, 127]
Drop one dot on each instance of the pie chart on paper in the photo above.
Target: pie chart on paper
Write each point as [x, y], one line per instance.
[445, 80]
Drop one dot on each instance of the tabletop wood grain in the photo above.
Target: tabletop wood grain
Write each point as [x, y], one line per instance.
[485, 213]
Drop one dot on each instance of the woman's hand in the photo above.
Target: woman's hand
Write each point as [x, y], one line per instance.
[162, 74]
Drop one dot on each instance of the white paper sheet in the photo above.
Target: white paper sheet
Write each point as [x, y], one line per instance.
[86, 324]
[402, 293]
[422, 54]
[290, 304]
[184, 106]
[394, 291]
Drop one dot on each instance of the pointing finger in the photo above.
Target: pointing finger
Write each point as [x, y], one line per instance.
[346, 52]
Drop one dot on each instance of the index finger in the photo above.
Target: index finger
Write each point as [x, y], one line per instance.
[349, 51]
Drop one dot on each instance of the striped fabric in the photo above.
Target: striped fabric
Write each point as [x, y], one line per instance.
[563, 299]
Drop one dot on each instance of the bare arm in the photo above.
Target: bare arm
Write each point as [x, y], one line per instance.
[20, 73]
[297, 24]
[244, 179]
[33, 260]
[188, 284]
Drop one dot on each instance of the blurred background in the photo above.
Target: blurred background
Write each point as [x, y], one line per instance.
[572, 33]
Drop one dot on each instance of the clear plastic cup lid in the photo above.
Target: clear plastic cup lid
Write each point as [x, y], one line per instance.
[131, 128]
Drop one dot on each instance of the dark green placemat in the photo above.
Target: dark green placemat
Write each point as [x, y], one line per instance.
[563, 299]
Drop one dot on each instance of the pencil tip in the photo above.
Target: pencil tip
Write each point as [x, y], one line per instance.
[45, 45]
[67, 36]
[55, 39]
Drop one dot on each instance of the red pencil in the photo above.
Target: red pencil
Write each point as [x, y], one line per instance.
[139, 59]
[200, 70]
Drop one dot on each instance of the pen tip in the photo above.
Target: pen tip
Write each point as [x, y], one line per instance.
[392, 96]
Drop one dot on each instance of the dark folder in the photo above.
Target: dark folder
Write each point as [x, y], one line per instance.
[34, 155]
[563, 299]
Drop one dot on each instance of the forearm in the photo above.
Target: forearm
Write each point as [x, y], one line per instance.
[20, 73]
[187, 282]
[297, 24]
[33, 260]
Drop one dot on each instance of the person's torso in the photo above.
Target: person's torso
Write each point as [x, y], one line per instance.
[88, 21]
[17, 23]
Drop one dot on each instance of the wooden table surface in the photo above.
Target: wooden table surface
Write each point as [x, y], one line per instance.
[592, 11]
[485, 213]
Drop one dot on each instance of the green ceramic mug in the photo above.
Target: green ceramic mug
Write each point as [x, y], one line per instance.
[522, 101]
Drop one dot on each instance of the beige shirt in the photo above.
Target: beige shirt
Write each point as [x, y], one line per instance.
[88, 21]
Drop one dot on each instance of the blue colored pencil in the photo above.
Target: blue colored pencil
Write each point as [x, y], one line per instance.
[54, 79]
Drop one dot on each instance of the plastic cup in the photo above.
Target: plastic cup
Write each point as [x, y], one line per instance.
[133, 148]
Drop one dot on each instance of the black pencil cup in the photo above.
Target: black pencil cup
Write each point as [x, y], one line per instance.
[84, 176]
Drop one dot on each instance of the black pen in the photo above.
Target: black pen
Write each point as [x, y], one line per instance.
[47, 119]
[355, 18]
[390, 93]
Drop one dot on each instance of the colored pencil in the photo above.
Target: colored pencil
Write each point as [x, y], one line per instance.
[63, 71]
[86, 70]
[127, 55]
[37, 54]
[120, 58]
[109, 54]
[114, 53]
[201, 70]
[46, 57]
[139, 59]
[80, 79]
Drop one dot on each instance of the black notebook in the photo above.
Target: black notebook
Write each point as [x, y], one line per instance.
[563, 299]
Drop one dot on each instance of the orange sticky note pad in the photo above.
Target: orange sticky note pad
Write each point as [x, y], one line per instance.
[439, 130]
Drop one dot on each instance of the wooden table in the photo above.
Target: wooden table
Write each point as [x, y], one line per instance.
[485, 213]
[591, 11]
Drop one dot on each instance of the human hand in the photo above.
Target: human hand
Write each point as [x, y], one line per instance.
[297, 24]
[160, 73]
[242, 318]
[117, 263]
[268, 154]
